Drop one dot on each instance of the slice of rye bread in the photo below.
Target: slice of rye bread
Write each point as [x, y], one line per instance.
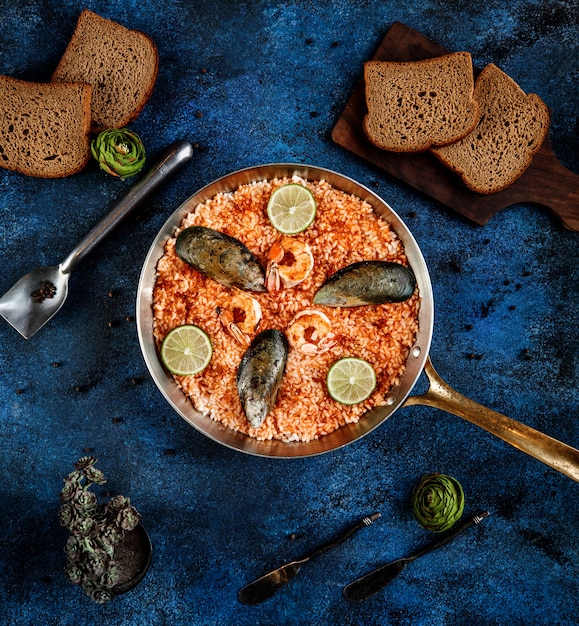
[120, 64]
[512, 127]
[44, 127]
[414, 105]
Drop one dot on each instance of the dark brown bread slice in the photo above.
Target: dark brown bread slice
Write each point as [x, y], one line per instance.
[120, 64]
[418, 104]
[44, 127]
[512, 127]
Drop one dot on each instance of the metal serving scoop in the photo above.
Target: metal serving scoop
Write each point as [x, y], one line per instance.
[38, 295]
[263, 588]
[374, 581]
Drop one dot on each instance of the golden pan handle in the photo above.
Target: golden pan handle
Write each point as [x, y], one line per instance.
[552, 452]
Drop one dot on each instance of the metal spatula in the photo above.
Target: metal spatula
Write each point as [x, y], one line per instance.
[38, 295]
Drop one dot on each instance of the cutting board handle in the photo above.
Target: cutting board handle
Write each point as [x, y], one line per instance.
[552, 185]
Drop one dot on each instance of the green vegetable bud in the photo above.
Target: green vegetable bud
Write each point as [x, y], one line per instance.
[437, 502]
[119, 152]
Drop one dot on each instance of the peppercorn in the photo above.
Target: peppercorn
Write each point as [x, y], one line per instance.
[46, 290]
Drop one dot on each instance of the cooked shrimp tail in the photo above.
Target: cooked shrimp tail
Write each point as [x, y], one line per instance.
[290, 262]
[310, 332]
[241, 317]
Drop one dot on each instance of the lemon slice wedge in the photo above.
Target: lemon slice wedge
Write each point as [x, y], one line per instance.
[351, 380]
[291, 208]
[186, 350]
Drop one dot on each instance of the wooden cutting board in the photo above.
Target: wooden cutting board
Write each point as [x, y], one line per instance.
[546, 181]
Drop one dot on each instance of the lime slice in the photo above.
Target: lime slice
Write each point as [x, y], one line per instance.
[186, 350]
[351, 380]
[291, 208]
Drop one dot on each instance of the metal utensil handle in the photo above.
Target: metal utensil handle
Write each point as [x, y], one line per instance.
[544, 448]
[366, 521]
[175, 157]
[450, 536]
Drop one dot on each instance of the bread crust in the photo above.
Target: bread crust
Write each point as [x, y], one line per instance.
[44, 127]
[512, 128]
[124, 82]
[414, 105]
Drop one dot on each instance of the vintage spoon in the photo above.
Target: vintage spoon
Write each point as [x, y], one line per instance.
[264, 587]
[374, 581]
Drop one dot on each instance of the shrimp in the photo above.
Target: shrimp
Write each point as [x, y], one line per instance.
[310, 332]
[241, 317]
[290, 261]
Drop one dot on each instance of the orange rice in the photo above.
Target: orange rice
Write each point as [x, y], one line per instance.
[346, 230]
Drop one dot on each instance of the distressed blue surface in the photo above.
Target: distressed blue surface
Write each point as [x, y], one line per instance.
[264, 82]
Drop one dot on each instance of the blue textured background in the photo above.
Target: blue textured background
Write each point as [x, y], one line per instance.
[260, 82]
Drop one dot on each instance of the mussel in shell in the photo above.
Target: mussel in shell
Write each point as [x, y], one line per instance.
[367, 282]
[221, 257]
[260, 374]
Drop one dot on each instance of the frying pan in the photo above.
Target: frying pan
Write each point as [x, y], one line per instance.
[553, 453]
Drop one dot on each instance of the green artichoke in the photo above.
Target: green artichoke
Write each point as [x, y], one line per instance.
[119, 152]
[437, 502]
